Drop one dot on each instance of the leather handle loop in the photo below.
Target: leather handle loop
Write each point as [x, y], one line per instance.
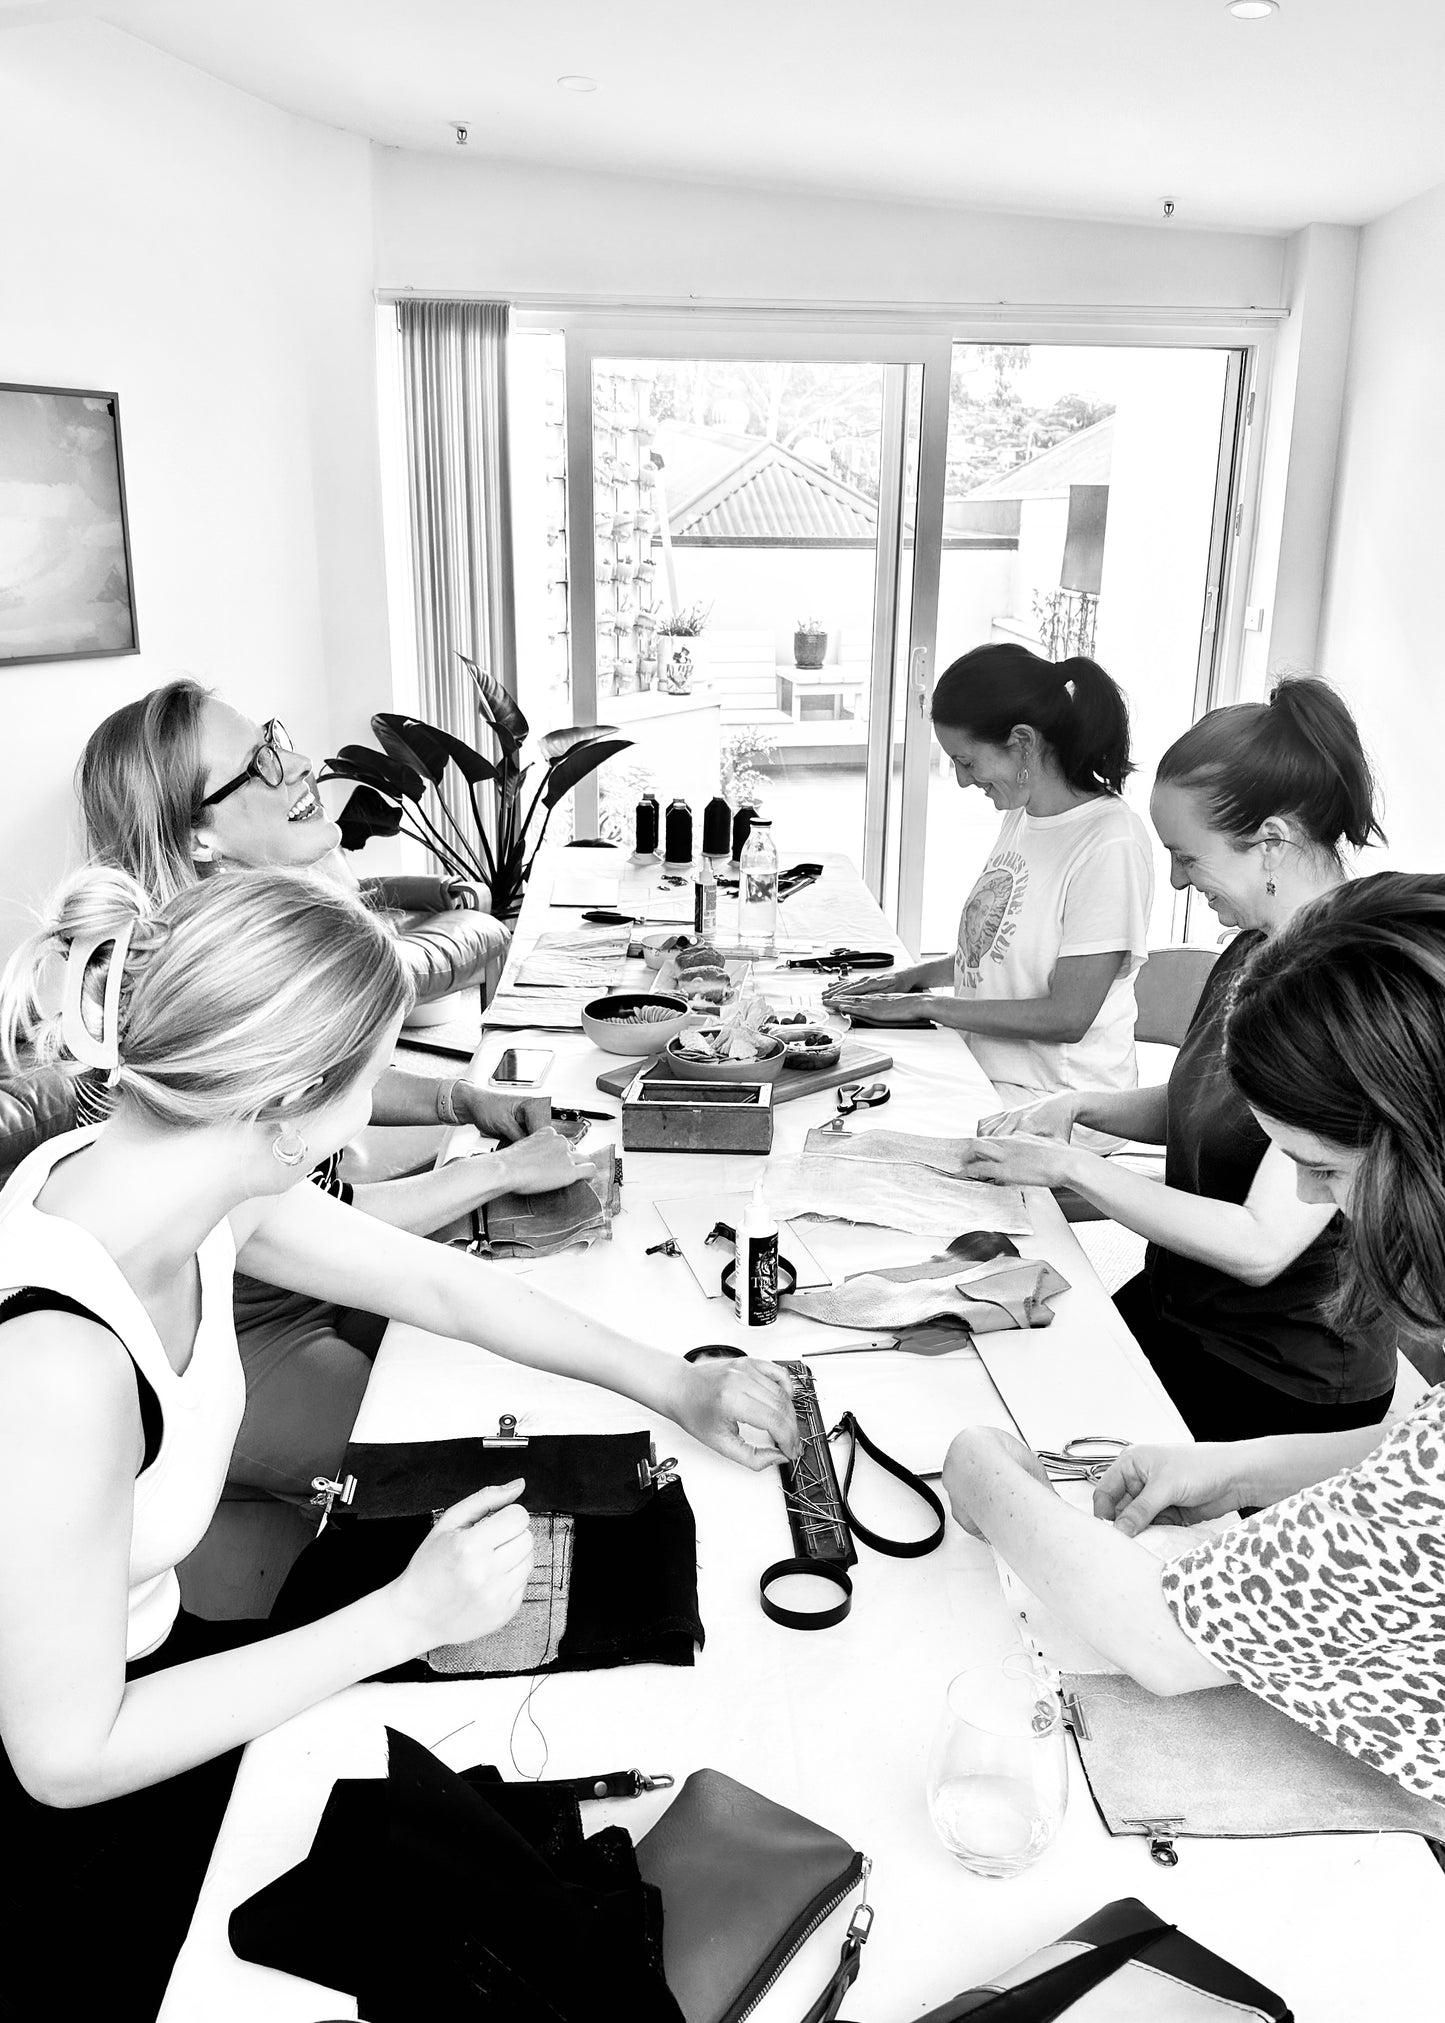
[895, 1548]
[805, 1619]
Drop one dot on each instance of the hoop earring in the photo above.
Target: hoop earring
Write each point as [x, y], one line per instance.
[292, 1153]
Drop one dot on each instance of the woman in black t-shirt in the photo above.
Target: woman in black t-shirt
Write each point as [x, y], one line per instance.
[1256, 805]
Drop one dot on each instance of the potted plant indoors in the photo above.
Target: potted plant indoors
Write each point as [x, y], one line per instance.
[810, 643]
[678, 651]
[498, 849]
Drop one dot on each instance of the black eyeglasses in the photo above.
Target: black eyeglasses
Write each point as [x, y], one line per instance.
[266, 762]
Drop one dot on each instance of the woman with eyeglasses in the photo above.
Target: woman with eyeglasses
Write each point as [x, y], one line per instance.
[175, 787]
[1329, 1602]
[242, 1025]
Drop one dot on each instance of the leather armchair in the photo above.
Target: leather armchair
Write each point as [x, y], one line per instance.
[446, 932]
[32, 1109]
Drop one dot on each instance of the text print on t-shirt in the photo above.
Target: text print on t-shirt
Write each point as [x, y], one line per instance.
[990, 916]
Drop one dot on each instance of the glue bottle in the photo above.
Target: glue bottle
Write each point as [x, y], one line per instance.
[757, 1272]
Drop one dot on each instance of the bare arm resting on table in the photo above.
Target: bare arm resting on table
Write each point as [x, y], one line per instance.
[1141, 1114]
[309, 1243]
[1254, 1241]
[75, 1730]
[1078, 987]
[421, 1202]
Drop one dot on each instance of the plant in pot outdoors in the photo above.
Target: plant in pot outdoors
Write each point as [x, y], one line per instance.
[810, 643]
[498, 851]
[678, 651]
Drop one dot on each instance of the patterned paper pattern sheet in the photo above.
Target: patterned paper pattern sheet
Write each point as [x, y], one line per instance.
[909, 1197]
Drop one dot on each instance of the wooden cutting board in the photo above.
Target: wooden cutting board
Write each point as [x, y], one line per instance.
[859, 1062]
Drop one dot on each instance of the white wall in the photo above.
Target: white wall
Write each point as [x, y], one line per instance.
[505, 228]
[207, 258]
[1383, 636]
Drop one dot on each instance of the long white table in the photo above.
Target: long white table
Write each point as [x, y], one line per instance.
[836, 1724]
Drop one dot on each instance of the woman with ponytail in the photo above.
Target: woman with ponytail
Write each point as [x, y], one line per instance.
[1329, 1601]
[241, 1029]
[1057, 921]
[1237, 1305]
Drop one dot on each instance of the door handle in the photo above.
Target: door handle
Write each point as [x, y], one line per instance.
[918, 677]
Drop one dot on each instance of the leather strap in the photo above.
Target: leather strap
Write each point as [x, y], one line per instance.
[895, 1548]
[805, 1619]
[787, 1278]
[850, 1961]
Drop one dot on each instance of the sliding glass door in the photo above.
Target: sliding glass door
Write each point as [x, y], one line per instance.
[756, 544]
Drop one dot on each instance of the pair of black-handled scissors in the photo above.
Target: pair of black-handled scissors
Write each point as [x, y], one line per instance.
[857, 1096]
[842, 959]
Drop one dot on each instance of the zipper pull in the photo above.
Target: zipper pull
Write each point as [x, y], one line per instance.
[861, 1923]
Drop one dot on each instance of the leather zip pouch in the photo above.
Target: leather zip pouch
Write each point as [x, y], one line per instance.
[1224, 1764]
[1122, 1965]
[581, 1474]
[744, 1882]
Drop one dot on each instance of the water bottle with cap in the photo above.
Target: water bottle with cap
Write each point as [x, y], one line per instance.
[758, 890]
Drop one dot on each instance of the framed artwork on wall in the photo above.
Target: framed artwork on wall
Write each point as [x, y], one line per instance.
[66, 591]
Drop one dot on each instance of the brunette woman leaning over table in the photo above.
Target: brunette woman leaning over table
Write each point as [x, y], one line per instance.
[1330, 1602]
[1258, 806]
[242, 1027]
[1041, 987]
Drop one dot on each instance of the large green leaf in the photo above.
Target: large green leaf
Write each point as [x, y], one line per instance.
[421, 744]
[374, 769]
[556, 743]
[578, 763]
[366, 815]
[498, 707]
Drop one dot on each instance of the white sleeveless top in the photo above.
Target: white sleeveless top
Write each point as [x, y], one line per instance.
[176, 1495]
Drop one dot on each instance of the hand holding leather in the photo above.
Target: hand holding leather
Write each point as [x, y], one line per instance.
[469, 1574]
[497, 1116]
[1021, 1162]
[1053, 1117]
[543, 1163]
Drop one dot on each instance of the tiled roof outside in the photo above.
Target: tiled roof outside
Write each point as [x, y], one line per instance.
[721, 486]
[1082, 458]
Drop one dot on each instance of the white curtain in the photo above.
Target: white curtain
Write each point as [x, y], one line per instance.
[454, 379]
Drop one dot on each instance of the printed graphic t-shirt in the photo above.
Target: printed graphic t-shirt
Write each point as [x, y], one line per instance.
[1079, 883]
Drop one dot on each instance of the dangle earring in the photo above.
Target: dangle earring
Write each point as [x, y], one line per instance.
[289, 1147]
[1269, 887]
[1023, 776]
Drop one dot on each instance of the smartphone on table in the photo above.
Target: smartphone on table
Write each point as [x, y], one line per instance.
[522, 1067]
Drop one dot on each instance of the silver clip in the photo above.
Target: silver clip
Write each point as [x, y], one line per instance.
[662, 1782]
[325, 1493]
[655, 1474]
[1160, 1834]
[1074, 1715]
[507, 1434]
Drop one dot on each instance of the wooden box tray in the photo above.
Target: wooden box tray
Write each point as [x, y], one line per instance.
[670, 1115]
[859, 1062]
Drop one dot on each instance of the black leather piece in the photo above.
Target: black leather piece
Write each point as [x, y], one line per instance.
[632, 1601]
[805, 1619]
[428, 1894]
[582, 1474]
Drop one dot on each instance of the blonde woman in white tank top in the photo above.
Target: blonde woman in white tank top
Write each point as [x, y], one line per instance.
[243, 1027]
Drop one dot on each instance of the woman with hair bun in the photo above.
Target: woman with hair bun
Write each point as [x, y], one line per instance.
[1057, 921]
[1329, 1601]
[1257, 805]
[242, 1028]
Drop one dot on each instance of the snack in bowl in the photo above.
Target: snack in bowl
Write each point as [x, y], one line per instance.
[702, 1055]
[697, 955]
[634, 1022]
[807, 1046]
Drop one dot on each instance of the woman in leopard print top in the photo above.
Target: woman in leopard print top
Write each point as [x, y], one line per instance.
[1329, 1601]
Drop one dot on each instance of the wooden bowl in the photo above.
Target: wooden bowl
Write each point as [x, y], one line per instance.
[808, 1046]
[610, 1022]
[687, 1068]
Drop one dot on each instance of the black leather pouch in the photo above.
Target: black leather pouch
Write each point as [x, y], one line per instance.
[744, 1882]
[1122, 1965]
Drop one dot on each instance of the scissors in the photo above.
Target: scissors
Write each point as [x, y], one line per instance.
[1083, 1459]
[857, 1096]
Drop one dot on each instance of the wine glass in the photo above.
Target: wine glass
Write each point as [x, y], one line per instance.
[998, 1774]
